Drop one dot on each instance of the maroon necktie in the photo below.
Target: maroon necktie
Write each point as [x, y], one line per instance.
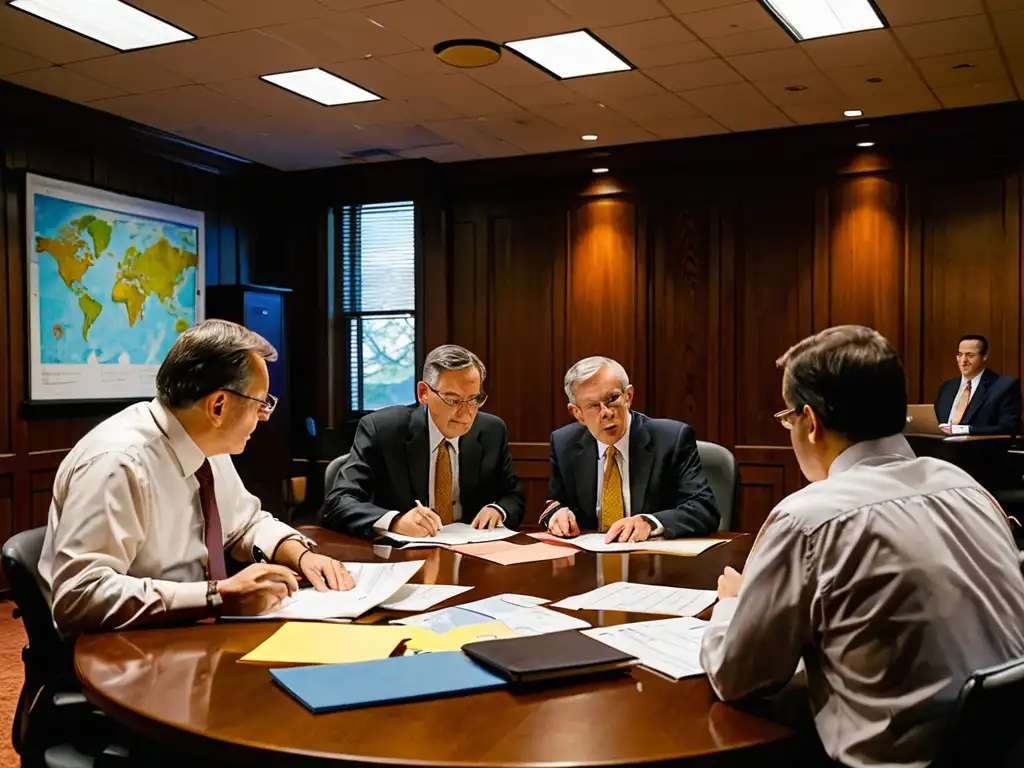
[211, 514]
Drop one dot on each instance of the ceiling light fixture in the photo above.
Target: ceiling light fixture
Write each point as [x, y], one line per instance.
[111, 22]
[865, 143]
[572, 54]
[321, 86]
[599, 170]
[589, 137]
[853, 113]
[825, 18]
[468, 53]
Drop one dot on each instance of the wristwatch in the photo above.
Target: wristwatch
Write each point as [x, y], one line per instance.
[213, 598]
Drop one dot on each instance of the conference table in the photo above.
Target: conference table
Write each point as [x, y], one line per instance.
[182, 687]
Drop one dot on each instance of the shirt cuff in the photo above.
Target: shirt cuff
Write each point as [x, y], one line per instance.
[383, 523]
[188, 596]
[656, 527]
[500, 511]
[961, 429]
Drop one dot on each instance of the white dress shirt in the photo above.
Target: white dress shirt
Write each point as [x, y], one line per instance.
[893, 579]
[125, 535]
[622, 459]
[963, 429]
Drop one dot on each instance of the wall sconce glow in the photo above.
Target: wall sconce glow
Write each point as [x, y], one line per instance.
[853, 113]
[589, 137]
[572, 54]
[599, 170]
[321, 86]
[823, 18]
[865, 143]
[111, 22]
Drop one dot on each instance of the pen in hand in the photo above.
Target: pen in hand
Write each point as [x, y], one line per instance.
[429, 519]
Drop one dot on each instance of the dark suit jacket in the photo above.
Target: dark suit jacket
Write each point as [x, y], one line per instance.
[665, 477]
[389, 468]
[994, 409]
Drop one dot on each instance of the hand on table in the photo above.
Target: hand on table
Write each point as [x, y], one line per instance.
[256, 589]
[629, 529]
[729, 583]
[487, 518]
[563, 524]
[326, 573]
[419, 521]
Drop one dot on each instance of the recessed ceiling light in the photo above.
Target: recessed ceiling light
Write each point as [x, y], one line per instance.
[112, 22]
[572, 54]
[796, 88]
[806, 21]
[865, 143]
[589, 137]
[853, 113]
[599, 170]
[321, 86]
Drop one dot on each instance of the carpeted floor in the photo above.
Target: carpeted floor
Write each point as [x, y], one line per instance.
[12, 639]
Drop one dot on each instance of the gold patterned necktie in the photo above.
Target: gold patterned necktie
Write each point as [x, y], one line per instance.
[612, 507]
[961, 406]
[443, 484]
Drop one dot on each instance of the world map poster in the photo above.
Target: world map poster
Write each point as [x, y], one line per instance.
[113, 281]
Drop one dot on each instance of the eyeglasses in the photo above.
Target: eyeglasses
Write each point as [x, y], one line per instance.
[614, 401]
[268, 405]
[786, 417]
[476, 401]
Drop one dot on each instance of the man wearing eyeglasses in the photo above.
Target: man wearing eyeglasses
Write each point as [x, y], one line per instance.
[147, 504]
[620, 472]
[413, 469]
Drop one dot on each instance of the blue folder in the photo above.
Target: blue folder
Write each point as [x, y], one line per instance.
[335, 687]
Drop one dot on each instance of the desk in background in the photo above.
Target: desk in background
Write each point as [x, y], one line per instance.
[985, 458]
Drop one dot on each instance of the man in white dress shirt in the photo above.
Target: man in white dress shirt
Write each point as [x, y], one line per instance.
[145, 505]
[892, 577]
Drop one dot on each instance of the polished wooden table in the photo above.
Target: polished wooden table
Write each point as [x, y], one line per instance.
[182, 686]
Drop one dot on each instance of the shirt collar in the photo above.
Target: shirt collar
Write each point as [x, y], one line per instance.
[622, 445]
[189, 455]
[436, 437]
[977, 376]
[894, 445]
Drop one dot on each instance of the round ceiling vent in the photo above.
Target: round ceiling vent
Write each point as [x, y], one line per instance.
[468, 53]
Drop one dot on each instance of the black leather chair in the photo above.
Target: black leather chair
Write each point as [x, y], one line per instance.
[723, 476]
[986, 731]
[54, 725]
[332, 472]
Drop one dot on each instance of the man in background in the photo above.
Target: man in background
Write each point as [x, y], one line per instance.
[620, 472]
[892, 577]
[980, 401]
[413, 469]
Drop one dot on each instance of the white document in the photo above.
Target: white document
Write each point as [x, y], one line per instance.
[455, 535]
[520, 613]
[421, 597]
[375, 583]
[642, 598]
[594, 542]
[668, 646]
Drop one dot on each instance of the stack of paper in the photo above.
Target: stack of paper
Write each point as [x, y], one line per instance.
[520, 613]
[642, 598]
[669, 646]
[421, 597]
[453, 535]
[594, 542]
[507, 553]
[453, 640]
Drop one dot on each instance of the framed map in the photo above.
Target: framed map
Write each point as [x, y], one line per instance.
[112, 282]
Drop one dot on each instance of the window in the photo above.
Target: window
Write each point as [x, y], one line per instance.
[378, 299]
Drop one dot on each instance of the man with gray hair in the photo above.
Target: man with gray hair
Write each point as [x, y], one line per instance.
[629, 476]
[145, 505]
[442, 451]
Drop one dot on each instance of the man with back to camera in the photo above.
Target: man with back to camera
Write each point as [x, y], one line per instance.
[892, 577]
[442, 451]
[620, 472]
[137, 499]
[980, 401]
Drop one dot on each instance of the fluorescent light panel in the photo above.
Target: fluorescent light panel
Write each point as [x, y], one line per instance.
[321, 86]
[572, 54]
[112, 22]
[809, 19]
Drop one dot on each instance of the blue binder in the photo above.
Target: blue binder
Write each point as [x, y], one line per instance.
[335, 687]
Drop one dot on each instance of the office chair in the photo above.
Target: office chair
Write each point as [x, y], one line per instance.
[986, 730]
[723, 476]
[332, 472]
[54, 725]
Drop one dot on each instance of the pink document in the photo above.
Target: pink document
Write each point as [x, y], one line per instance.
[504, 553]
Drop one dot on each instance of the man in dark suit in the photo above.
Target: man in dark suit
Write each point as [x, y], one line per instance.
[623, 473]
[980, 401]
[442, 451]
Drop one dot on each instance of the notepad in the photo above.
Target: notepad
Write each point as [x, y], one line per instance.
[303, 642]
[514, 554]
[332, 688]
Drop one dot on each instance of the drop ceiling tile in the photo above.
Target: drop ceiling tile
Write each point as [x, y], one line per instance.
[727, 98]
[443, 153]
[229, 57]
[129, 73]
[660, 108]
[262, 13]
[1010, 28]
[341, 37]
[529, 132]
[995, 6]
[424, 22]
[731, 20]
[266, 98]
[197, 17]
[915, 99]
[627, 38]
[666, 55]
[348, 5]
[790, 62]
[64, 84]
[686, 128]
[468, 134]
[816, 88]
[508, 72]
[379, 77]
[812, 113]
[177, 108]
[871, 47]
[607, 13]
[552, 94]
[465, 95]
[945, 71]
[504, 21]
[753, 119]
[396, 137]
[770, 39]
[970, 33]
[585, 118]
[900, 13]
[972, 94]
[386, 112]
[698, 74]
[681, 7]
[895, 76]
[12, 60]
[616, 85]
[25, 32]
